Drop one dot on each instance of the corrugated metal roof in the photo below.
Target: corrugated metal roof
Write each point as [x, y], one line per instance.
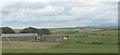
[54, 35]
[21, 35]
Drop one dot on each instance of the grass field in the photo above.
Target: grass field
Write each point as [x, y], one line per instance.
[82, 41]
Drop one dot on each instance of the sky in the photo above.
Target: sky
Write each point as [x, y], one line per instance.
[57, 13]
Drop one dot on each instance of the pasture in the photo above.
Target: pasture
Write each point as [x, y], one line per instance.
[80, 41]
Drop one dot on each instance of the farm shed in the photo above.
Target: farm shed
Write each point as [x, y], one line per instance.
[51, 38]
[20, 37]
[33, 37]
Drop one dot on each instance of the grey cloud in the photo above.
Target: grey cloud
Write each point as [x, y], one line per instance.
[76, 12]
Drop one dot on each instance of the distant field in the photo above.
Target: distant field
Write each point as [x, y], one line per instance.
[80, 41]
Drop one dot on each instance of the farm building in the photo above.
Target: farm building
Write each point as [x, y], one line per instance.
[52, 38]
[20, 37]
[32, 37]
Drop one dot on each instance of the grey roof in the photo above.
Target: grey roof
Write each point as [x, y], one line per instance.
[21, 35]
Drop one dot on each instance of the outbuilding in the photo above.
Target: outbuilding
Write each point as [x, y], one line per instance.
[20, 37]
[33, 37]
[52, 38]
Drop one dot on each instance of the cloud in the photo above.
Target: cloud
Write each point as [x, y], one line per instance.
[59, 13]
[28, 13]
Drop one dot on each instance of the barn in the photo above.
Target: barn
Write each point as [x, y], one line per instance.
[32, 37]
[51, 38]
[20, 37]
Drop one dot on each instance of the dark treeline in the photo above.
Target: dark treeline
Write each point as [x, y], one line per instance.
[8, 30]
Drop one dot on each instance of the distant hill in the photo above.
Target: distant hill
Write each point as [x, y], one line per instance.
[90, 27]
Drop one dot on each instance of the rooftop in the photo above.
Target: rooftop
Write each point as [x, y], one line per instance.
[20, 35]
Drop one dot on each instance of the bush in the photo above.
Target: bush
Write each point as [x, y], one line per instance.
[79, 42]
[97, 43]
[82, 36]
[103, 34]
[118, 43]
[44, 31]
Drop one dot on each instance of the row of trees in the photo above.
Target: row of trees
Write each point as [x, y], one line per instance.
[8, 30]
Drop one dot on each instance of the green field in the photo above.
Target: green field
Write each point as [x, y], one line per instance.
[80, 41]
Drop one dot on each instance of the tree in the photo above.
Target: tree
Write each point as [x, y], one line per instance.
[29, 30]
[7, 30]
[35, 30]
[44, 31]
